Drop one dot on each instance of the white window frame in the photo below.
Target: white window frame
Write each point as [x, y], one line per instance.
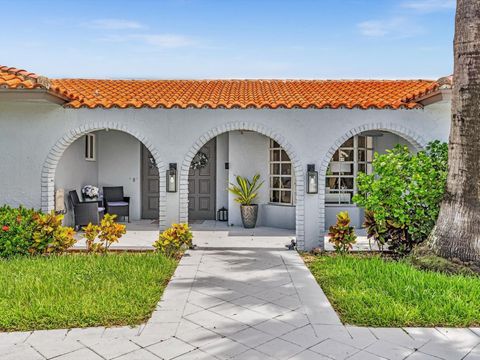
[367, 163]
[280, 162]
[90, 147]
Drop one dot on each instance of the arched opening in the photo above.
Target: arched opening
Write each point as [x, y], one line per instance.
[351, 158]
[106, 157]
[243, 150]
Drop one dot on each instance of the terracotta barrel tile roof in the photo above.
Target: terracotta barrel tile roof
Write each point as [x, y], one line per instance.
[227, 94]
[13, 78]
[242, 94]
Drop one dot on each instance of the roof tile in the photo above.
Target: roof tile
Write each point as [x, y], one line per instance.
[13, 78]
[228, 94]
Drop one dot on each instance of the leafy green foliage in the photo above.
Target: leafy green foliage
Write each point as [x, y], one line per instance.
[371, 291]
[108, 232]
[389, 233]
[246, 190]
[50, 236]
[27, 231]
[16, 230]
[174, 240]
[81, 290]
[402, 196]
[342, 235]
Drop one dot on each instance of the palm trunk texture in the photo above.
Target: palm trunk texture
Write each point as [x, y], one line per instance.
[457, 232]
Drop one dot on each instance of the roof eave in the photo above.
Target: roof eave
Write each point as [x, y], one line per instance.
[435, 97]
[32, 95]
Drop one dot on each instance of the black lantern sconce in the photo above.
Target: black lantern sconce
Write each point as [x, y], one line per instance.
[172, 178]
[312, 179]
[222, 214]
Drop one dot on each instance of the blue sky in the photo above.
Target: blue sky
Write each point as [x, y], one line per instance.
[325, 39]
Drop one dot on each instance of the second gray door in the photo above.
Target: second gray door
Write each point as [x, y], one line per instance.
[202, 187]
[150, 185]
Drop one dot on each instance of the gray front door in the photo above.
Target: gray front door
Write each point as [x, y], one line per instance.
[150, 185]
[202, 187]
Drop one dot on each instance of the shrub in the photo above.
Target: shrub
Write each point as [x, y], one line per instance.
[389, 233]
[174, 240]
[108, 232]
[49, 236]
[342, 235]
[27, 231]
[402, 196]
[16, 232]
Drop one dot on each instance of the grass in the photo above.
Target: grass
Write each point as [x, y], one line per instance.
[371, 291]
[81, 290]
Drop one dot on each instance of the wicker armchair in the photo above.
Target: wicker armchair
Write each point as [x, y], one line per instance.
[115, 202]
[85, 212]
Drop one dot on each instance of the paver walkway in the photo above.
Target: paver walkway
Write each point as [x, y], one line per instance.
[243, 304]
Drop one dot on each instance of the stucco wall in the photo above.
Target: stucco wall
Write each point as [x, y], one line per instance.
[279, 216]
[388, 141]
[32, 135]
[119, 165]
[222, 173]
[248, 155]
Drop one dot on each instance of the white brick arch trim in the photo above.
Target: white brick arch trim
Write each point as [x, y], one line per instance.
[408, 134]
[261, 129]
[56, 152]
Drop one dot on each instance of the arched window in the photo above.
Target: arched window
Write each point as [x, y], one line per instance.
[354, 156]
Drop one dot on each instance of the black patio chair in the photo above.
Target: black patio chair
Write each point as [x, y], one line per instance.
[85, 212]
[115, 202]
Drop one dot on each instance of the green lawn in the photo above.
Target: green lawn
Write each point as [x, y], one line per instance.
[81, 290]
[370, 291]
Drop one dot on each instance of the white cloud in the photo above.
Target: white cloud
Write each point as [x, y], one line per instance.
[114, 24]
[429, 5]
[154, 40]
[398, 27]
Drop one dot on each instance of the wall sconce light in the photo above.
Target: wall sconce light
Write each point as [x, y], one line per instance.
[312, 179]
[172, 178]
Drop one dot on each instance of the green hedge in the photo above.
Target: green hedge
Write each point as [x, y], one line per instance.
[27, 231]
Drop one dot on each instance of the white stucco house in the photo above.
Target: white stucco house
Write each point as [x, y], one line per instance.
[67, 133]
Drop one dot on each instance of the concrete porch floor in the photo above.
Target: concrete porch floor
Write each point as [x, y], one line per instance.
[141, 234]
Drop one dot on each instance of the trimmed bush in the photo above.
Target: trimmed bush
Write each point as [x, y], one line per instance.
[16, 232]
[174, 240]
[108, 232]
[27, 231]
[49, 236]
[402, 196]
[342, 235]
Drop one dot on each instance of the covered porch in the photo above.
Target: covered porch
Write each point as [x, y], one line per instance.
[108, 159]
[211, 234]
[141, 234]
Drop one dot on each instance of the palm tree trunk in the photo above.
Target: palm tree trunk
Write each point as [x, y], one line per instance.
[457, 231]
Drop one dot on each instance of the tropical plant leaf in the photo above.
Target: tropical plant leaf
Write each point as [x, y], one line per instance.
[245, 190]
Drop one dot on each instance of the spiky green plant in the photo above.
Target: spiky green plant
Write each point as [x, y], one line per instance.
[246, 190]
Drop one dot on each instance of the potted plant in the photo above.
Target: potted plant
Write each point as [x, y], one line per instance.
[247, 191]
